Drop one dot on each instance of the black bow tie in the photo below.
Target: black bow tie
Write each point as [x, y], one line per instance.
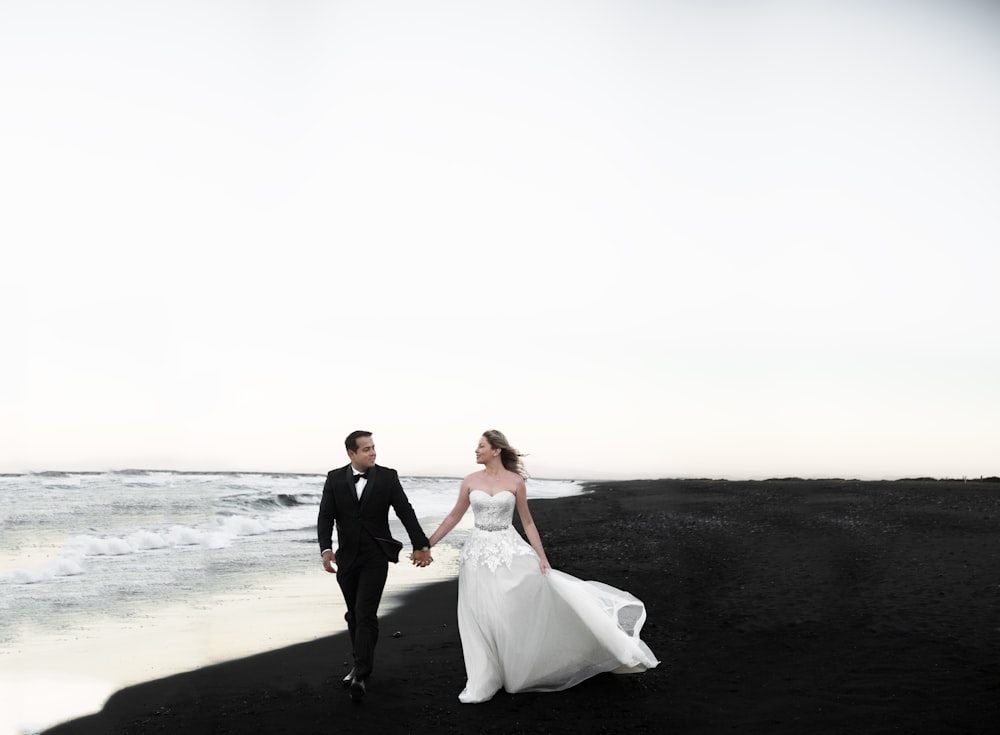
[362, 474]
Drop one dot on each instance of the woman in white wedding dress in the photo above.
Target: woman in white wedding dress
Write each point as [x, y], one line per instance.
[525, 626]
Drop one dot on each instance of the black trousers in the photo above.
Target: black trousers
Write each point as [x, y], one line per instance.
[362, 586]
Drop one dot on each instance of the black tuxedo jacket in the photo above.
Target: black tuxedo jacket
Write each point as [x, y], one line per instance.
[361, 522]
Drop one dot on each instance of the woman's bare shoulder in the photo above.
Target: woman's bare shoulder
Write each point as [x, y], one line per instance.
[470, 480]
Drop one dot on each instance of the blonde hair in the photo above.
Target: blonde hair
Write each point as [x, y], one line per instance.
[509, 457]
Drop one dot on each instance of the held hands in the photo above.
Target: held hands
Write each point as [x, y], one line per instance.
[421, 558]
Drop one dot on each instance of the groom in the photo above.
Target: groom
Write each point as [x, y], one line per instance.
[356, 498]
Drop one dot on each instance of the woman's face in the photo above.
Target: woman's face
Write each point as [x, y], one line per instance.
[484, 451]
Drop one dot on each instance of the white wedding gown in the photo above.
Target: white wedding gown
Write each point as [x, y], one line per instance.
[525, 631]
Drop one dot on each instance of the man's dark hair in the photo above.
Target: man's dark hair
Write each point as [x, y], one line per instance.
[351, 442]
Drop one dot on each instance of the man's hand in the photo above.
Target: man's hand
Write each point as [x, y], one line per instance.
[330, 562]
[421, 558]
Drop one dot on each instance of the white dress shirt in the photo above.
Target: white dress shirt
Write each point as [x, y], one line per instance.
[360, 482]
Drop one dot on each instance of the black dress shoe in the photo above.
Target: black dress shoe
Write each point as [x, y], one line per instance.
[349, 679]
[358, 691]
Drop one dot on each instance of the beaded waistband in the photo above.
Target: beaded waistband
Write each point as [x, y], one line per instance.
[483, 527]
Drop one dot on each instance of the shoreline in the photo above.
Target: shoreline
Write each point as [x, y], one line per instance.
[774, 606]
[89, 664]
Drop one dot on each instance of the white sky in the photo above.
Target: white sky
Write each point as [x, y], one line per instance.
[726, 239]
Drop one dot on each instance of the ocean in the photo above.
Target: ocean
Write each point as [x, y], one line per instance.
[112, 578]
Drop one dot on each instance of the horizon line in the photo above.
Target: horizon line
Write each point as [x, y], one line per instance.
[701, 478]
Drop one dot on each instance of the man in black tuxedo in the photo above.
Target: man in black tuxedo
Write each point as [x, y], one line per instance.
[357, 498]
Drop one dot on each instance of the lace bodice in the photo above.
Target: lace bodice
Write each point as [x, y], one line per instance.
[494, 541]
[492, 512]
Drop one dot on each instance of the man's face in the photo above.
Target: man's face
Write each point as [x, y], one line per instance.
[364, 458]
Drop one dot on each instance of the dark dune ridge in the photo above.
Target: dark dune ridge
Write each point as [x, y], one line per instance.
[788, 606]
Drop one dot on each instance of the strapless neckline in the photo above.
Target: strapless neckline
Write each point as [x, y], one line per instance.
[493, 495]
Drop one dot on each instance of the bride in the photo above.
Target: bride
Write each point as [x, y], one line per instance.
[525, 626]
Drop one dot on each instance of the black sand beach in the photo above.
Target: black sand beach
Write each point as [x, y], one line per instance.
[783, 606]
